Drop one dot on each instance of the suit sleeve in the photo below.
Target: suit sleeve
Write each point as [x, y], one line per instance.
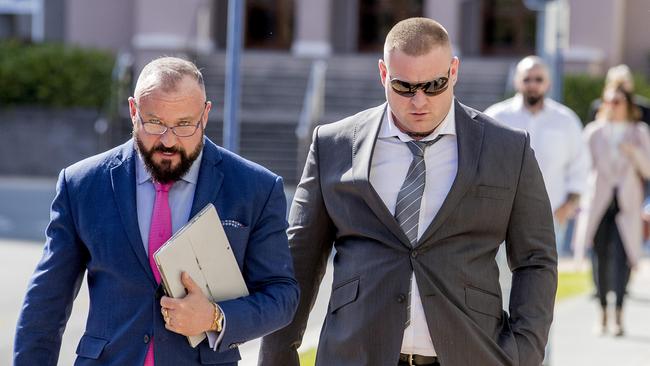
[52, 288]
[269, 275]
[311, 238]
[532, 257]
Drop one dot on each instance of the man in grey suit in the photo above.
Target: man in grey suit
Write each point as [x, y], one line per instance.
[416, 196]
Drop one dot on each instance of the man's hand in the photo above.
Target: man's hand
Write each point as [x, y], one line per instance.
[191, 315]
[567, 210]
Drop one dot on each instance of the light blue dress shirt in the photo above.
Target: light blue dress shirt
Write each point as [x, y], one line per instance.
[181, 196]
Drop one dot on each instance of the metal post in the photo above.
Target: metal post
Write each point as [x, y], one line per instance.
[540, 40]
[38, 20]
[233, 87]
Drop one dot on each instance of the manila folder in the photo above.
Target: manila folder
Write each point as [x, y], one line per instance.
[201, 249]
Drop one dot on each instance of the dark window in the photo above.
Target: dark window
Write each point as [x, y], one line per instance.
[377, 17]
[269, 24]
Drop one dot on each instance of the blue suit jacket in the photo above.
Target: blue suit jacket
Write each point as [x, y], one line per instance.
[94, 229]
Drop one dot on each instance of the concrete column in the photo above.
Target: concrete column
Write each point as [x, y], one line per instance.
[98, 23]
[447, 13]
[312, 28]
[164, 27]
[598, 37]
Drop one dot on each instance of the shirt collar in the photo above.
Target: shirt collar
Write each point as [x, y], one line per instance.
[446, 127]
[142, 175]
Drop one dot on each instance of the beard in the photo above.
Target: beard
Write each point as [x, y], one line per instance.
[163, 172]
[533, 100]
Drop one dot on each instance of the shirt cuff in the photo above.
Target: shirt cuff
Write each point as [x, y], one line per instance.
[214, 338]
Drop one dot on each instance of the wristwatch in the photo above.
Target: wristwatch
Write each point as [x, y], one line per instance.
[217, 322]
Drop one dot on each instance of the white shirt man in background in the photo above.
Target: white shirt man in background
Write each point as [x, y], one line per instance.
[555, 135]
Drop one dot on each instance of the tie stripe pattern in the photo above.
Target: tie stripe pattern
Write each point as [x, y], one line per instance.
[409, 199]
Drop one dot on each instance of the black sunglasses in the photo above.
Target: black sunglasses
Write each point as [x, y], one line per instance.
[430, 88]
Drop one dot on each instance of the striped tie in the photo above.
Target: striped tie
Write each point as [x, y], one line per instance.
[407, 208]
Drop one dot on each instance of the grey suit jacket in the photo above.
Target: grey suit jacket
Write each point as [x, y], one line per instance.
[498, 194]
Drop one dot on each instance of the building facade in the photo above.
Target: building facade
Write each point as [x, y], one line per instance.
[601, 32]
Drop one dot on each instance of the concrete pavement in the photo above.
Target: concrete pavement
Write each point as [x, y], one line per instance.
[17, 262]
[574, 342]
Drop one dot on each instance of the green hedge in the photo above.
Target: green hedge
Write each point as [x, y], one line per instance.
[54, 75]
[580, 90]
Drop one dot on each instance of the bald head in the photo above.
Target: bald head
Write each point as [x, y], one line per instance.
[526, 65]
[416, 37]
[165, 74]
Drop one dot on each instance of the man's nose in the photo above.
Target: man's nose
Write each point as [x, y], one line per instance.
[419, 99]
[168, 139]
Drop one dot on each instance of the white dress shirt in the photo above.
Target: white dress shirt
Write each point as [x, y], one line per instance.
[556, 137]
[390, 162]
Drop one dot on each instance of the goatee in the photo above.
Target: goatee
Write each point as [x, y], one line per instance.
[163, 172]
[533, 100]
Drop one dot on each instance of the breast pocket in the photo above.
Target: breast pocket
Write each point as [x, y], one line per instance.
[238, 238]
[493, 192]
[235, 231]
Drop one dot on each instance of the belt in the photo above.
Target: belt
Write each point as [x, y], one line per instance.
[417, 360]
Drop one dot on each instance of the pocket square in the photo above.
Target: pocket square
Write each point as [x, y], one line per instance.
[232, 223]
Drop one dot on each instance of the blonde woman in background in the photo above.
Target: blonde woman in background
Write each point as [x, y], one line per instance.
[610, 218]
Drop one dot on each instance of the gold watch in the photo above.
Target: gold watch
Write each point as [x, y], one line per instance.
[217, 322]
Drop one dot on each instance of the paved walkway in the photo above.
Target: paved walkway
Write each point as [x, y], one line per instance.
[574, 342]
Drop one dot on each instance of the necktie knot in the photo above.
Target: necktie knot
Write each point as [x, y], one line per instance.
[163, 187]
[417, 147]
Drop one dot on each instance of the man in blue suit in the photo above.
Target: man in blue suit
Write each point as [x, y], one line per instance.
[107, 214]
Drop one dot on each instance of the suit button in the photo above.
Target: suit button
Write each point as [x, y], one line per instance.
[401, 298]
[414, 253]
[146, 338]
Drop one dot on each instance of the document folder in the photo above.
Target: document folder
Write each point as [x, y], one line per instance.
[201, 249]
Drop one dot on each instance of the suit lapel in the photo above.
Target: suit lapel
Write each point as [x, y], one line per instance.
[469, 133]
[123, 182]
[210, 178]
[365, 137]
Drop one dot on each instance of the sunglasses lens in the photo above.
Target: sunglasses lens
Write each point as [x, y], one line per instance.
[402, 88]
[436, 86]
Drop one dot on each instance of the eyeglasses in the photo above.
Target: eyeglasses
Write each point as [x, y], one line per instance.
[183, 129]
[537, 79]
[430, 88]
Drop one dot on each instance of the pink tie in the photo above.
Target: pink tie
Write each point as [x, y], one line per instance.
[159, 232]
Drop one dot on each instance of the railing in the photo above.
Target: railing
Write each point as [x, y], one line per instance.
[313, 107]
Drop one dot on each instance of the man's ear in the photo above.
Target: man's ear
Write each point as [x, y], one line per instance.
[455, 67]
[133, 110]
[383, 71]
[208, 108]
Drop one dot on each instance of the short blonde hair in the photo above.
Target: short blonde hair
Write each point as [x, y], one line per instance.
[165, 73]
[416, 36]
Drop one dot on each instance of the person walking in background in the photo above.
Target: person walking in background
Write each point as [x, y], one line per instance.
[112, 212]
[610, 215]
[621, 75]
[416, 196]
[555, 135]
